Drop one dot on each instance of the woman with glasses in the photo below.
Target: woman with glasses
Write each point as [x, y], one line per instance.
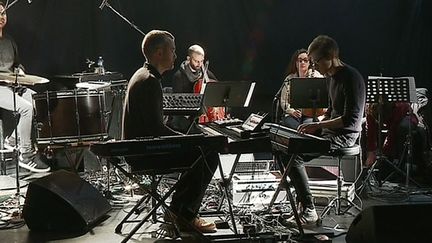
[299, 67]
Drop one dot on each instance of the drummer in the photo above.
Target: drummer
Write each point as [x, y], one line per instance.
[9, 62]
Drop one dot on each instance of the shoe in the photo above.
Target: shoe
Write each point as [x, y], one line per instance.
[8, 144]
[29, 161]
[168, 228]
[308, 217]
[198, 223]
[203, 226]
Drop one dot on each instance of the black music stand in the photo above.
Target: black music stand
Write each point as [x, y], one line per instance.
[381, 90]
[228, 93]
[309, 93]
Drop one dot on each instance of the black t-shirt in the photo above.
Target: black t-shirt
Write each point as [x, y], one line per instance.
[347, 95]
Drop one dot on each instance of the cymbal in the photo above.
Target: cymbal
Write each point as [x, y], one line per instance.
[25, 79]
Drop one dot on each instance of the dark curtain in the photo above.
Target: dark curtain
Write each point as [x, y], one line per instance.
[244, 40]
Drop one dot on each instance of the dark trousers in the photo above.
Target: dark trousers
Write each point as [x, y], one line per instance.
[191, 187]
[297, 173]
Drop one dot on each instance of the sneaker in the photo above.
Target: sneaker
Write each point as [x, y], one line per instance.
[308, 217]
[31, 162]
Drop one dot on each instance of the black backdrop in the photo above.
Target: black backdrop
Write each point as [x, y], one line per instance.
[244, 39]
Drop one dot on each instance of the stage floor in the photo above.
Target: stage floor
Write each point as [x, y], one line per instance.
[387, 194]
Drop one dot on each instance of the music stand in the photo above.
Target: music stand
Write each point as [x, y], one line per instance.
[228, 93]
[380, 90]
[309, 93]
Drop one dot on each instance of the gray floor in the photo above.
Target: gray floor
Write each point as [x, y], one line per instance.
[335, 226]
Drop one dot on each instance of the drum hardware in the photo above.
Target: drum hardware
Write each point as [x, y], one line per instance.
[22, 79]
[15, 154]
[48, 152]
[69, 121]
[70, 116]
[93, 85]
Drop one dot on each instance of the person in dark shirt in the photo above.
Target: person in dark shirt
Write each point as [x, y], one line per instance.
[143, 117]
[342, 120]
[9, 63]
[188, 79]
[191, 71]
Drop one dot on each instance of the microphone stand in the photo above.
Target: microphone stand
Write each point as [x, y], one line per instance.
[277, 98]
[9, 5]
[16, 150]
[106, 3]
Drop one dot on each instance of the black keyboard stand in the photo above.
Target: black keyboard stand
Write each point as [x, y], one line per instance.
[285, 184]
[225, 195]
[159, 200]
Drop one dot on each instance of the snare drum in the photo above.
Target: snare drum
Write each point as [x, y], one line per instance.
[69, 116]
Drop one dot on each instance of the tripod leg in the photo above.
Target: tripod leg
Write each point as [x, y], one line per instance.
[368, 176]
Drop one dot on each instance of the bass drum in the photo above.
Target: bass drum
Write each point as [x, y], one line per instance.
[69, 116]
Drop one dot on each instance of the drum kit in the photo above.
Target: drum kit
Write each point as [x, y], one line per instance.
[69, 117]
[67, 120]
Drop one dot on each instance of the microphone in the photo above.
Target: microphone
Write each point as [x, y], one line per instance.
[103, 4]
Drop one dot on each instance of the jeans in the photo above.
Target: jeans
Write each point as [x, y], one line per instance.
[24, 107]
[297, 173]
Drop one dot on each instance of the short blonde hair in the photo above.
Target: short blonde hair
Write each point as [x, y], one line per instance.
[154, 40]
[196, 49]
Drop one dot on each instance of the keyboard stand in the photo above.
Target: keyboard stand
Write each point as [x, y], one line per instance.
[225, 185]
[285, 184]
[159, 199]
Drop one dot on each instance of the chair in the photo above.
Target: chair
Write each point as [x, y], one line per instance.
[336, 202]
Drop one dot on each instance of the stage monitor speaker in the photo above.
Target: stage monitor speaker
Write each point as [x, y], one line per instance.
[63, 202]
[391, 223]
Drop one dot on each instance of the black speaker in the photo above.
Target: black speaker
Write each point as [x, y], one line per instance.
[392, 223]
[63, 202]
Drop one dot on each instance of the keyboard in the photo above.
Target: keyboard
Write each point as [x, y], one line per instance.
[182, 103]
[289, 141]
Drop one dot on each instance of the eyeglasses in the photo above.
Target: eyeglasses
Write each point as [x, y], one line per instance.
[305, 60]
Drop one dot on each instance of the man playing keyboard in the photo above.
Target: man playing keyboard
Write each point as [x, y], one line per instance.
[342, 122]
[143, 117]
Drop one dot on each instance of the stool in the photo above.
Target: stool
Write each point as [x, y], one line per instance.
[337, 201]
